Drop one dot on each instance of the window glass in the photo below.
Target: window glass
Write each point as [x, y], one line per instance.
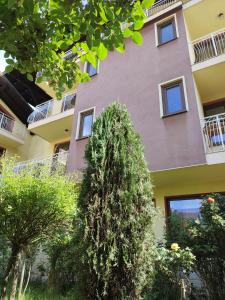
[174, 99]
[166, 33]
[86, 121]
[91, 70]
[87, 125]
[186, 208]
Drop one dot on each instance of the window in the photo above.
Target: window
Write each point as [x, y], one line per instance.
[214, 108]
[68, 102]
[173, 98]
[91, 70]
[184, 207]
[86, 121]
[166, 31]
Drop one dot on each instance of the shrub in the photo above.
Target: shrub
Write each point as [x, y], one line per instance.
[115, 210]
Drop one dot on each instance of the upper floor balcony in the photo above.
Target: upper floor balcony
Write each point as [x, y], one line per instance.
[52, 120]
[213, 130]
[208, 65]
[12, 133]
[161, 5]
[209, 49]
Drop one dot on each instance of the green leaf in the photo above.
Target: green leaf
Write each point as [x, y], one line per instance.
[146, 4]
[10, 61]
[91, 58]
[30, 77]
[127, 33]
[138, 24]
[120, 48]
[102, 13]
[102, 51]
[137, 38]
[8, 69]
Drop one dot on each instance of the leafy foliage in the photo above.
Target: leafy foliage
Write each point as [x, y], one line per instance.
[171, 268]
[206, 240]
[36, 33]
[116, 210]
[34, 205]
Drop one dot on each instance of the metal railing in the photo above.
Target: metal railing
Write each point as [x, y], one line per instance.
[52, 107]
[213, 128]
[159, 5]
[209, 47]
[51, 163]
[10, 125]
[40, 112]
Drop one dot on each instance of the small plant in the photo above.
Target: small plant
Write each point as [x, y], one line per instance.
[172, 267]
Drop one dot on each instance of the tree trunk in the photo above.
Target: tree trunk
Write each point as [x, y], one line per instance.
[28, 279]
[10, 267]
[15, 277]
[22, 278]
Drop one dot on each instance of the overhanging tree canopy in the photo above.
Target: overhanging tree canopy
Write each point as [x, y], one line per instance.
[35, 33]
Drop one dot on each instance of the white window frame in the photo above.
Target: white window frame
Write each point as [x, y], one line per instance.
[165, 83]
[97, 67]
[79, 120]
[157, 24]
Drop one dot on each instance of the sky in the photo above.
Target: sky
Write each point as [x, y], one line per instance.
[2, 61]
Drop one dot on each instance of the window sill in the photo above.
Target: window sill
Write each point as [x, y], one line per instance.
[175, 113]
[82, 138]
[162, 44]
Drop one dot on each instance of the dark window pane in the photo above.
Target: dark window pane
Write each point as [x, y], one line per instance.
[91, 70]
[186, 208]
[174, 99]
[166, 33]
[87, 125]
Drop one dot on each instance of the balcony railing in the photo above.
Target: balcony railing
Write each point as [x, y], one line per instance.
[52, 107]
[209, 47]
[51, 163]
[213, 128]
[10, 125]
[160, 5]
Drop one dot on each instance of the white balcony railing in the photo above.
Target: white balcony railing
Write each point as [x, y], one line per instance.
[213, 128]
[11, 126]
[52, 107]
[209, 47]
[160, 5]
[58, 160]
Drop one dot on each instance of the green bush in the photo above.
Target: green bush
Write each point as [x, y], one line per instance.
[115, 210]
[206, 239]
[172, 267]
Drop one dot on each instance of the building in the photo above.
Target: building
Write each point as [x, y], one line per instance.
[173, 86]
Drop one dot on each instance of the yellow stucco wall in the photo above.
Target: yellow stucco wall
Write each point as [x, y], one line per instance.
[213, 180]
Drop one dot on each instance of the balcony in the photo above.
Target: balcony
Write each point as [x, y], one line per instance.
[213, 128]
[161, 5]
[209, 47]
[12, 133]
[52, 120]
[51, 163]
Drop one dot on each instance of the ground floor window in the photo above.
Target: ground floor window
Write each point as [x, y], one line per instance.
[186, 207]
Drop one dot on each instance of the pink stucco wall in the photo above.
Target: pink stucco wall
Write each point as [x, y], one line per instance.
[132, 78]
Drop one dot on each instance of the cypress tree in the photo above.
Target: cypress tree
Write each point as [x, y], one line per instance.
[116, 210]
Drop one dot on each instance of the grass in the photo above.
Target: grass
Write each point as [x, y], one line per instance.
[41, 292]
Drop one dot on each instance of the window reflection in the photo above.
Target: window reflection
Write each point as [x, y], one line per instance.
[186, 208]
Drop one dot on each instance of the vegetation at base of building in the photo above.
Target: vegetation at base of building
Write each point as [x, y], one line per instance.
[115, 210]
[34, 206]
[206, 239]
[36, 33]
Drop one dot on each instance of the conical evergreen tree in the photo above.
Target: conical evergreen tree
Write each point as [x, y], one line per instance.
[116, 210]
